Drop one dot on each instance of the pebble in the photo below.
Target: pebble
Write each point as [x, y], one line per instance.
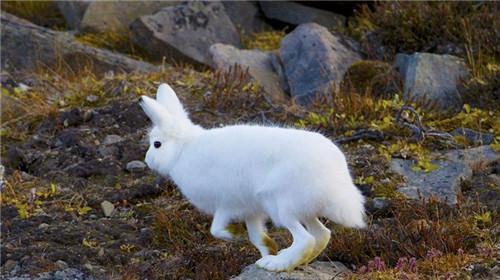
[107, 208]
[61, 264]
[136, 166]
[9, 265]
[91, 98]
[43, 226]
[112, 139]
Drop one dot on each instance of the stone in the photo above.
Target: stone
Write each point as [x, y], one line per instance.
[107, 208]
[73, 12]
[258, 64]
[43, 226]
[136, 166]
[443, 183]
[185, 32]
[112, 139]
[27, 47]
[473, 137]
[318, 270]
[432, 78]
[116, 16]
[245, 16]
[9, 265]
[295, 13]
[315, 61]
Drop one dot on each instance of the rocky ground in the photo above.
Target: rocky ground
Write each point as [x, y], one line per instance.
[78, 202]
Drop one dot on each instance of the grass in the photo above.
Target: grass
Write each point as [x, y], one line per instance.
[43, 13]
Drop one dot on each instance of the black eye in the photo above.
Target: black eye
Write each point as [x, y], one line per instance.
[157, 144]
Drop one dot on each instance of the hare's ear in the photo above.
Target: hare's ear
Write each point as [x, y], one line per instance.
[155, 111]
[167, 97]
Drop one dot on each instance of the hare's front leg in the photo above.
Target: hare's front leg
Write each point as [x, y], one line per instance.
[291, 257]
[257, 234]
[220, 223]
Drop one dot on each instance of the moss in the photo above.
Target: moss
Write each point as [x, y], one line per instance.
[266, 40]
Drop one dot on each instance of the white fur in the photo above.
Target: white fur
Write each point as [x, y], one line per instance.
[251, 173]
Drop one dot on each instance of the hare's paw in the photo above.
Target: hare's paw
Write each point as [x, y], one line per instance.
[222, 234]
[286, 260]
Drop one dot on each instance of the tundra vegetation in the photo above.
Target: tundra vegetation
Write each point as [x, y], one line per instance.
[67, 139]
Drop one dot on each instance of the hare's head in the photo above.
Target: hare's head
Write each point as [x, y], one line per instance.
[171, 128]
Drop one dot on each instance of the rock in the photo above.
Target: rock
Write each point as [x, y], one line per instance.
[315, 271]
[432, 78]
[2, 176]
[473, 137]
[185, 32]
[372, 77]
[295, 13]
[91, 98]
[25, 47]
[65, 274]
[61, 264]
[136, 166]
[315, 60]
[9, 265]
[73, 12]
[245, 16]
[116, 16]
[112, 139]
[258, 63]
[444, 183]
[107, 208]
[43, 226]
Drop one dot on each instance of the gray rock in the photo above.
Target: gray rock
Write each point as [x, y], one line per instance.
[258, 63]
[73, 12]
[295, 13]
[315, 271]
[107, 208]
[9, 265]
[444, 183]
[432, 78]
[185, 32]
[474, 137]
[116, 16]
[315, 60]
[2, 176]
[245, 16]
[43, 226]
[26, 46]
[136, 166]
[112, 139]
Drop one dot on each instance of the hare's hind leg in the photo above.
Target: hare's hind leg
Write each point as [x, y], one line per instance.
[257, 234]
[293, 256]
[321, 235]
[220, 223]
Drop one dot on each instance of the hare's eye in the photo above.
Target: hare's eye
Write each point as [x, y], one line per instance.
[157, 144]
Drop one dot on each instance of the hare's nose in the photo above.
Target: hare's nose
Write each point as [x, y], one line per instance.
[140, 100]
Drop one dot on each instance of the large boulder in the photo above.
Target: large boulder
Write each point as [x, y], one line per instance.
[315, 271]
[444, 182]
[258, 64]
[111, 16]
[73, 12]
[245, 16]
[26, 46]
[185, 32]
[315, 60]
[295, 13]
[432, 78]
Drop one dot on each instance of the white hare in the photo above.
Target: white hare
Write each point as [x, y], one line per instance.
[252, 173]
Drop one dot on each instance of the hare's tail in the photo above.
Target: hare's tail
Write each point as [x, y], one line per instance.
[347, 209]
